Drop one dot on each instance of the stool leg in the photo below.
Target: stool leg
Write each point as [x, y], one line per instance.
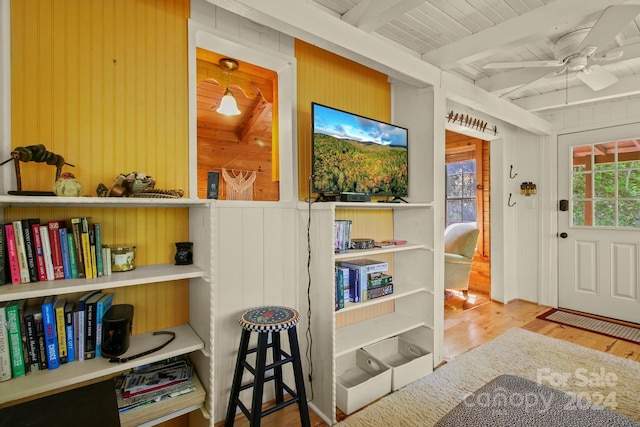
[237, 378]
[299, 378]
[277, 355]
[258, 382]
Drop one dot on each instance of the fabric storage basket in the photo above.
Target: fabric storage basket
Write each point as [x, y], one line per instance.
[361, 379]
[408, 361]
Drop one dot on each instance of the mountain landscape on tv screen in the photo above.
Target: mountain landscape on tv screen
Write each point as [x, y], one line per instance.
[345, 165]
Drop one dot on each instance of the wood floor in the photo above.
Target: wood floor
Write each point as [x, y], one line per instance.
[470, 328]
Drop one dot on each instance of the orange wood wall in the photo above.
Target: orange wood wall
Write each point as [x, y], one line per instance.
[334, 81]
[104, 84]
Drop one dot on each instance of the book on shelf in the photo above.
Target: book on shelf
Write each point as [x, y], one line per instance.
[97, 231]
[18, 367]
[339, 291]
[23, 264]
[156, 376]
[81, 329]
[39, 251]
[86, 248]
[42, 346]
[359, 270]
[106, 260]
[5, 352]
[64, 246]
[31, 333]
[76, 231]
[50, 333]
[56, 249]
[379, 291]
[61, 329]
[90, 325]
[345, 282]
[12, 253]
[5, 273]
[73, 264]
[69, 331]
[46, 249]
[29, 247]
[378, 279]
[92, 252]
[342, 235]
[102, 306]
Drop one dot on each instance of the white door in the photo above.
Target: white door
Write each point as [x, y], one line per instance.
[599, 232]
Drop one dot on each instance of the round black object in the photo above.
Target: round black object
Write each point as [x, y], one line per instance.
[117, 324]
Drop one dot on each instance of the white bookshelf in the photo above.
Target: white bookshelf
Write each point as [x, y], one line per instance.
[192, 338]
[414, 299]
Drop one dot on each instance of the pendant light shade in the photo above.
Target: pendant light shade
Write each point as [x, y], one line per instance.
[228, 105]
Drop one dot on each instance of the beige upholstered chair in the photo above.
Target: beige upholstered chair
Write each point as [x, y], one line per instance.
[459, 245]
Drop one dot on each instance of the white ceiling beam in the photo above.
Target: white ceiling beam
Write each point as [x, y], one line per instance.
[522, 28]
[305, 22]
[627, 86]
[512, 79]
[369, 15]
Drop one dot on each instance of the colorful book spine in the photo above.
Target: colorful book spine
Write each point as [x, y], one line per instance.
[5, 352]
[32, 340]
[64, 246]
[80, 347]
[97, 231]
[50, 335]
[61, 329]
[339, 292]
[42, 346]
[86, 248]
[69, 332]
[76, 231]
[90, 326]
[73, 264]
[102, 307]
[37, 243]
[56, 250]
[92, 247]
[46, 249]
[12, 253]
[23, 265]
[380, 291]
[18, 368]
[5, 274]
[29, 248]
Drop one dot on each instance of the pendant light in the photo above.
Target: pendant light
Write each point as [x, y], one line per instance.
[228, 105]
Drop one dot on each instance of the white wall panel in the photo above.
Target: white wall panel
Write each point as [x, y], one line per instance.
[586, 277]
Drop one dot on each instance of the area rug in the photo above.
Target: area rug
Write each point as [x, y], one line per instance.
[612, 381]
[611, 328]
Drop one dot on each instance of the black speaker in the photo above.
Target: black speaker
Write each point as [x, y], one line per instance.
[117, 324]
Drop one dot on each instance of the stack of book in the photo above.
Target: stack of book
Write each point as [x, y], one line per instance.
[31, 251]
[44, 333]
[155, 382]
[360, 280]
[342, 235]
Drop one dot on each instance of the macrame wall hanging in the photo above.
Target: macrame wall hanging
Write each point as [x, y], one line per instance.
[238, 182]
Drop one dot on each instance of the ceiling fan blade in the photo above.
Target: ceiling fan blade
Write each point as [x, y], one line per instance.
[534, 76]
[618, 54]
[522, 64]
[611, 22]
[596, 77]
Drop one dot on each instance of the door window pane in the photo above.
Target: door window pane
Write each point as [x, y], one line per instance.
[605, 184]
[461, 192]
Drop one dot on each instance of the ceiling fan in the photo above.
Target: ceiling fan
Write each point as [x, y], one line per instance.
[582, 50]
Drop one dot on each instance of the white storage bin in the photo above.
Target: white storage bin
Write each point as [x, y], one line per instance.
[408, 361]
[361, 379]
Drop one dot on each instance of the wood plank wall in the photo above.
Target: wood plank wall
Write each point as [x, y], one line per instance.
[104, 83]
[329, 79]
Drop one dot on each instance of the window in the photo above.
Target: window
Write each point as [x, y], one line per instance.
[605, 184]
[461, 192]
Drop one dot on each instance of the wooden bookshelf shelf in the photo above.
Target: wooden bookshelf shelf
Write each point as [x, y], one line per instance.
[72, 373]
[98, 202]
[139, 276]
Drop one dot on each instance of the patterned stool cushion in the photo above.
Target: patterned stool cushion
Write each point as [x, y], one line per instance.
[269, 318]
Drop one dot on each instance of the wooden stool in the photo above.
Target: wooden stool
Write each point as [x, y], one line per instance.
[268, 321]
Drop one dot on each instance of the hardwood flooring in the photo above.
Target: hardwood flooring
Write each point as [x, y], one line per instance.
[468, 329]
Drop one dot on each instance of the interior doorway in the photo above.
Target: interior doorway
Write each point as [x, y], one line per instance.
[468, 200]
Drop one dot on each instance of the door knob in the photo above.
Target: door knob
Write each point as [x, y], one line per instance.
[564, 235]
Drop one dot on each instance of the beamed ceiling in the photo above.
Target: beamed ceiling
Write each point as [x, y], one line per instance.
[460, 37]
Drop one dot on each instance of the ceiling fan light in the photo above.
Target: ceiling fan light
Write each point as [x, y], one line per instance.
[228, 105]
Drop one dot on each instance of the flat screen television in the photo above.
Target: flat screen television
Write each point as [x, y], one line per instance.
[356, 154]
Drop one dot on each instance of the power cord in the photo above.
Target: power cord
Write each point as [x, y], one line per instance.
[308, 334]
